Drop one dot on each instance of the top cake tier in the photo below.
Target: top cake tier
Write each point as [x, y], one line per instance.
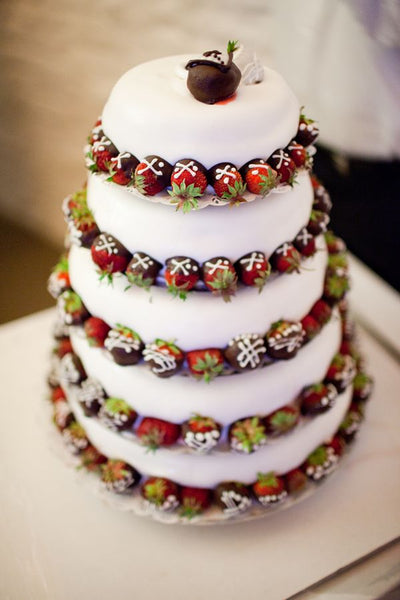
[151, 112]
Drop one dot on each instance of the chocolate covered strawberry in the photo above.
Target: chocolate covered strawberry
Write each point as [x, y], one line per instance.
[298, 154]
[284, 166]
[295, 481]
[161, 493]
[201, 433]
[338, 264]
[154, 433]
[92, 459]
[247, 435]
[253, 269]
[117, 476]
[318, 398]
[194, 501]
[282, 420]
[82, 227]
[71, 308]
[259, 176]
[142, 270]
[284, 339]
[220, 277]
[227, 182]
[101, 153]
[286, 259]
[304, 242]
[351, 423]
[362, 386]
[269, 488]
[96, 331]
[307, 132]
[205, 364]
[341, 372]
[322, 461]
[335, 287]
[311, 327]
[181, 274]
[152, 175]
[75, 438]
[91, 396]
[322, 200]
[109, 255]
[321, 311]
[318, 222]
[246, 351]
[124, 345]
[71, 369]
[117, 415]
[334, 244]
[96, 132]
[122, 168]
[63, 347]
[188, 182]
[164, 358]
[232, 497]
[59, 281]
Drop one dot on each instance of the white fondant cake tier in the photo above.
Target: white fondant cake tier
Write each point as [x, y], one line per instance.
[227, 398]
[185, 468]
[162, 232]
[150, 111]
[202, 320]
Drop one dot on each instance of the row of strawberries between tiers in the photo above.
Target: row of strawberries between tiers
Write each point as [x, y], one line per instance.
[188, 180]
[181, 273]
[233, 498]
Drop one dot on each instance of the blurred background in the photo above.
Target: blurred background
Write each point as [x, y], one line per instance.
[60, 58]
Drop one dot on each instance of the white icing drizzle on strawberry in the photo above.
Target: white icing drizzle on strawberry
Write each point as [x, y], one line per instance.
[106, 243]
[256, 167]
[304, 236]
[90, 390]
[151, 166]
[68, 370]
[284, 249]
[220, 264]
[289, 339]
[183, 266]
[62, 412]
[227, 172]
[202, 441]
[252, 261]
[272, 498]
[251, 348]
[163, 359]
[116, 339]
[235, 503]
[190, 168]
[100, 145]
[282, 159]
[141, 261]
[119, 159]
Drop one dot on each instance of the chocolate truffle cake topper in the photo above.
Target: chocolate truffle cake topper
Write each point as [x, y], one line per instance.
[210, 79]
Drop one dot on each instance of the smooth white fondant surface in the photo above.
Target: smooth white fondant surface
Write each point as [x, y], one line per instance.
[186, 468]
[202, 320]
[151, 111]
[162, 232]
[226, 399]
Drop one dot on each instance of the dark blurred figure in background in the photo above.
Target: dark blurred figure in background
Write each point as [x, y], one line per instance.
[345, 66]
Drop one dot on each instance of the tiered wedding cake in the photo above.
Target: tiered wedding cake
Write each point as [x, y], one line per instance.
[204, 354]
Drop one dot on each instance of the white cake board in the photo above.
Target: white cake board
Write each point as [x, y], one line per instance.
[60, 542]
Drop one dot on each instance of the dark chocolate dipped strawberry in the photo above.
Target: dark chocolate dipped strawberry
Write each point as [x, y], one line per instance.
[109, 255]
[321, 311]
[117, 476]
[322, 461]
[351, 423]
[181, 274]
[335, 287]
[259, 176]
[82, 227]
[338, 264]
[142, 270]
[164, 358]
[286, 259]
[304, 242]
[298, 154]
[318, 398]
[154, 433]
[284, 166]
[210, 79]
[341, 371]
[71, 369]
[91, 396]
[161, 493]
[206, 363]
[295, 481]
[122, 168]
[201, 433]
[284, 339]
[117, 415]
[269, 489]
[194, 501]
[58, 281]
[246, 351]
[322, 200]
[75, 438]
[311, 327]
[101, 153]
[152, 175]
[253, 269]
[92, 459]
[282, 420]
[188, 182]
[362, 386]
[318, 222]
[220, 277]
[71, 308]
[307, 132]
[96, 132]
[96, 331]
[62, 414]
[247, 435]
[124, 345]
[232, 497]
[227, 182]
[334, 244]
